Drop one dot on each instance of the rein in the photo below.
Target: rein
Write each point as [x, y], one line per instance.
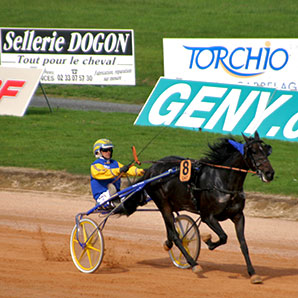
[197, 162]
[227, 168]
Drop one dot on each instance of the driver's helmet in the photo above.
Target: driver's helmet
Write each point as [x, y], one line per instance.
[101, 144]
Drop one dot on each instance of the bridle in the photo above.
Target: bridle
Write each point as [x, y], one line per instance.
[255, 162]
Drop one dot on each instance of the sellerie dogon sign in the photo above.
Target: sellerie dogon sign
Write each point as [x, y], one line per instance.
[222, 108]
[72, 56]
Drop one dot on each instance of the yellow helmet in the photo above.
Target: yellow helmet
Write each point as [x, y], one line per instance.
[102, 144]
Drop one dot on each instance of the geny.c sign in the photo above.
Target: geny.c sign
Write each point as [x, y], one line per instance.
[222, 108]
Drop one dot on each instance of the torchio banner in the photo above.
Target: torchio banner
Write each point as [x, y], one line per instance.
[222, 108]
[71, 56]
[269, 63]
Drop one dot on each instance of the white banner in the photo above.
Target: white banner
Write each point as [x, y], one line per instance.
[17, 87]
[72, 56]
[269, 63]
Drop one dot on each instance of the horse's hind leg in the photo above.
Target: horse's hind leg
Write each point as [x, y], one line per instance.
[173, 236]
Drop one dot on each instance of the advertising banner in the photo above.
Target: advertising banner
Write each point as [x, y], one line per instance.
[269, 63]
[17, 86]
[222, 108]
[71, 56]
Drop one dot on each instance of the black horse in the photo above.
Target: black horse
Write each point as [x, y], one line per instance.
[215, 191]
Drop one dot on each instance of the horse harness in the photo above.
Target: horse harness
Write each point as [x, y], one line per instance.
[194, 188]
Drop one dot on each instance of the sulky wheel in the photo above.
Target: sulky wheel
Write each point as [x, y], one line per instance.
[86, 246]
[189, 234]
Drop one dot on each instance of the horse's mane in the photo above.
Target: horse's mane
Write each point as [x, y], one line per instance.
[219, 152]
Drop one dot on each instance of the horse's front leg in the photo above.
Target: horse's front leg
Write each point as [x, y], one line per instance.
[239, 222]
[214, 225]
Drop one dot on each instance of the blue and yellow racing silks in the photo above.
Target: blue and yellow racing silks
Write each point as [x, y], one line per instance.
[104, 172]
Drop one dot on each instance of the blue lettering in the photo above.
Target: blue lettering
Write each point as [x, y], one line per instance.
[219, 57]
[232, 56]
[197, 58]
[250, 57]
[207, 57]
[286, 59]
[266, 58]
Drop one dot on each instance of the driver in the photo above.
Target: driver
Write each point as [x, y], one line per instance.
[105, 173]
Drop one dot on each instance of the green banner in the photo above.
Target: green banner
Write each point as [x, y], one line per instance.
[222, 108]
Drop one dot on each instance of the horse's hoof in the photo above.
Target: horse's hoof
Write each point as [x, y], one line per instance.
[165, 246]
[206, 237]
[197, 269]
[256, 279]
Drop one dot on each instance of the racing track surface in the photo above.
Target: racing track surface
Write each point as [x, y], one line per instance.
[35, 227]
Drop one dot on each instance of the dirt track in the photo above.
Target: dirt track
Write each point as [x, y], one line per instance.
[35, 227]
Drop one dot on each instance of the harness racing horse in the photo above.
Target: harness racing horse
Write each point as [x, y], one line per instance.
[215, 191]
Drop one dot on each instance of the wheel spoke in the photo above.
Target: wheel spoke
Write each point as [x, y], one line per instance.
[85, 233]
[94, 248]
[82, 254]
[89, 257]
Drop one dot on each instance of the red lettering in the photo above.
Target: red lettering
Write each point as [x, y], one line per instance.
[5, 91]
